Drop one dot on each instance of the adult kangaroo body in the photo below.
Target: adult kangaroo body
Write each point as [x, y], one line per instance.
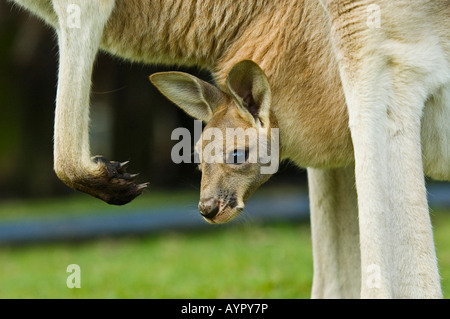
[351, 100]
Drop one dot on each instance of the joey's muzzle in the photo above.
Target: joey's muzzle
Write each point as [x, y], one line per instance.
[217, 211]
[209, 207]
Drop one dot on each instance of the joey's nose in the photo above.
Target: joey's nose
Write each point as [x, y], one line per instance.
[209, 207]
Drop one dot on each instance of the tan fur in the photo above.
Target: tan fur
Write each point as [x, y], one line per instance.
[341, 93]
[227, 186]
[275, 34]
[216, 34]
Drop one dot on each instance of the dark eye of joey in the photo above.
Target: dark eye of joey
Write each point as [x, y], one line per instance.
[238, 157]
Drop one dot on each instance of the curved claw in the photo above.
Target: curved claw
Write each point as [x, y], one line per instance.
[112, 184]
[143, 186]
[124, 164]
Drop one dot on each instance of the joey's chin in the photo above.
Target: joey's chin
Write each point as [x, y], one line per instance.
[225, 215]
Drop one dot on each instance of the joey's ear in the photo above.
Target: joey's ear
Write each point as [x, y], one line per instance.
[250, 88]
[194, 96]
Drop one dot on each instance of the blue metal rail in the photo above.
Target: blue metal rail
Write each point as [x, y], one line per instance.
[177, 218]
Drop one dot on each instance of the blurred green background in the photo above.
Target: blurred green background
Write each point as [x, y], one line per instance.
[130, 120]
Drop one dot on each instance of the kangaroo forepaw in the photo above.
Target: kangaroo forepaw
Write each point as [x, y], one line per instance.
[112, 184]
[115, 169]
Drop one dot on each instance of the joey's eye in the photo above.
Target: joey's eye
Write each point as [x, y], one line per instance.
[238, 157]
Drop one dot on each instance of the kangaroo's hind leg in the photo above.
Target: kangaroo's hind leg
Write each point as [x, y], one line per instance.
[335, 233]
[387, 81]
[436, 135]
[80, 28]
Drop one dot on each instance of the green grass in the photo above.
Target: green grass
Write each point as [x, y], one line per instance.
[441, 224]
[243, 262]
[240, 261]
[81, 204]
